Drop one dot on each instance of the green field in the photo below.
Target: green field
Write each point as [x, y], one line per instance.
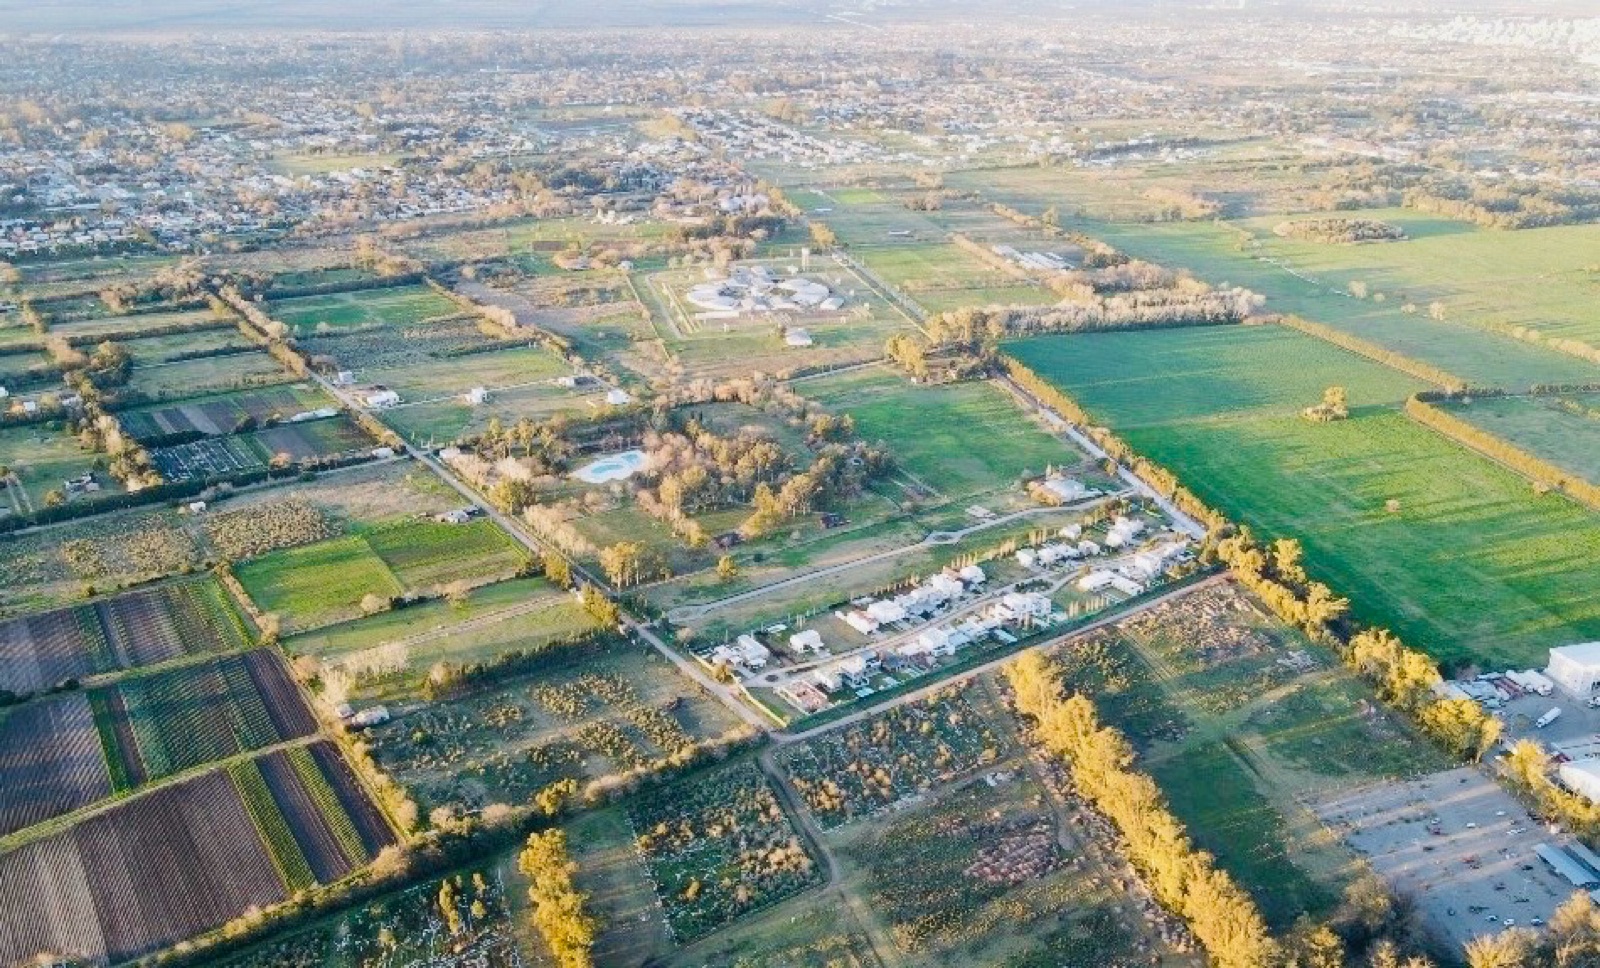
[187, 378]
[319, 584]
[960, 440]
[1485, 279]
[942, 277]
[1473, 565]
[399, 306]
[1563, 430]
[518, 614]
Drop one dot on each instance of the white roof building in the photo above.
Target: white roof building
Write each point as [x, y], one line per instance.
[796, 337]
[808, 641]
[858, 620]
[973, 575]
[886, 613]
[1576, 668]
[946, 586]
[477, 396]
[619, 398]
[1096, 580]
[382, 398]
[1582, 777]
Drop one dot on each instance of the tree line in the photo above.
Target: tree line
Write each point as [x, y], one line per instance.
[1545, 475]
[1183, 878]
[1403, 676]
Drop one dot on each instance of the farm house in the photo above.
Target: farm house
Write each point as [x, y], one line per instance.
[1576, 668]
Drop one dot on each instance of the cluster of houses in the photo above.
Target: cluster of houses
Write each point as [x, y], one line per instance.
[918, 602]
[756, 289]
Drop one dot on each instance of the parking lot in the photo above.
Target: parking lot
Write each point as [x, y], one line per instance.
[1456, 844]
[1574, 732]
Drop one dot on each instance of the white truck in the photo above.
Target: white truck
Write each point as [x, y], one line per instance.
[1547, 718]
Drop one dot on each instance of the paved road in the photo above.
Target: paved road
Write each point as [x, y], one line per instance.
[1185, 523]
[784, 737]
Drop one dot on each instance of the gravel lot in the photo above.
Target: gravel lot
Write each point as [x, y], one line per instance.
[1470, 872]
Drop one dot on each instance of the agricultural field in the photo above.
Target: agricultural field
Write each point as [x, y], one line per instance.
[223, 413]
[400, 347]
[717, 847]
[290, 443]
[1564, 430]
[1488, 282]
[1215, 407]
[187, 858]
[591, 711]
[216, 374]
[1001, 873]
[222, 341]
[60, 754]
[951, 442]
[388, 656]
[1237, 718]
[45, 569]
[890, 758]
[135, 629]
[98, 323]
[941, 277]
[408, 928]
[395, 306]
[318, 584]
[41, 459]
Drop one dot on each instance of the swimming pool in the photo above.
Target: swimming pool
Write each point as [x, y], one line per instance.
[612, 467]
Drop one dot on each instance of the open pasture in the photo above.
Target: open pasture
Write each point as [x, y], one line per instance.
[591, 711]
[957, 440]
[718, 846]
[942, 277]
[1564, 429]
[134, 629]
[891, 758]
[1485, 279]
[1214, 407]
[184, 859]
[396, 306]
[222, 341]
[130, 326]
[511, 369]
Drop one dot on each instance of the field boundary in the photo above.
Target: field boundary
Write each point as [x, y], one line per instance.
[1502, 451]
[1426, 372]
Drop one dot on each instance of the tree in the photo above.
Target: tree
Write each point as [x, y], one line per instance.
[55, 497]
[727, 568]
[557, 570]
[1511, 948]
[558, 906]
[1436, 311]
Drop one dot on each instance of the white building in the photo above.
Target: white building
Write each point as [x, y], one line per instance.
[796, 337]
[619, 398]
[886, 613]
[1582, 777]
[1576, 668]
[973, 575]
[381, 398]
[808, 641]
[858, 620]
[477, 397]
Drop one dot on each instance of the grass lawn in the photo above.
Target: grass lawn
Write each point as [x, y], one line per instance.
[962, 439]
[215, 374]
[320, 583]
[1473, 566]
